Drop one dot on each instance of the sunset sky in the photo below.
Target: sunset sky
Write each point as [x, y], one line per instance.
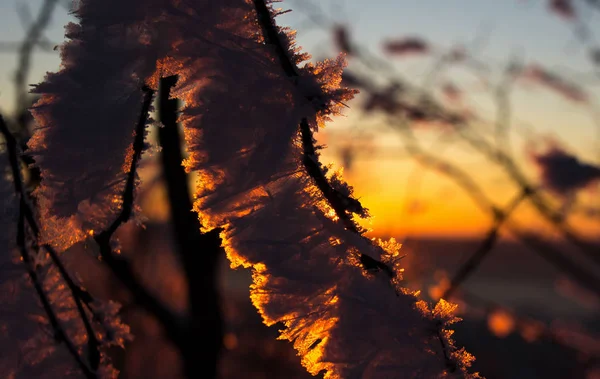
[403, 198]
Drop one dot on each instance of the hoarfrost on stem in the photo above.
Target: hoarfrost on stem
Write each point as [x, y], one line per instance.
[245, 92]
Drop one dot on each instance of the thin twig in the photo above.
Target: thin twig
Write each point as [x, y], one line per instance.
[10, 47]
[509, 166]
[138, 148]
[504, 109]
[473, 190]
[78, 293]
[32, 39]
[59, 332]
[507, 163]
[121, 267]
[547, 252]
[26, 214]
[485, 247]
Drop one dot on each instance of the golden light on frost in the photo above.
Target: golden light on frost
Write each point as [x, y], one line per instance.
[445, 310]
[235, 258]
[126, 166]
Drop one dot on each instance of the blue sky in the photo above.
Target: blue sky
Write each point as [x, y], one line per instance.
[511, 24]
[519, 24]
[507, 27]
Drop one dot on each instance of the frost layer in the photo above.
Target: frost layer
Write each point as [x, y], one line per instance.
[241, 120]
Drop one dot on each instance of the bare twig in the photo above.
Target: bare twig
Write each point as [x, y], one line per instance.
[77, 292]
[507, 163]
[473, 190]
[485, 247]
[10, 47]
[26, 214]
[59, 332]
[546, 251]
[504, 111]
[33, 38]
[121, 267]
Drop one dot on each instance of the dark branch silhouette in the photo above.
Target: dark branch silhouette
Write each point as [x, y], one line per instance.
[199, 252]
[121, 267]
[26, 215]
[484, 248]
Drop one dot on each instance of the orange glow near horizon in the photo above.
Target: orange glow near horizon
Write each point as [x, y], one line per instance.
[435, 206]
[432, 213]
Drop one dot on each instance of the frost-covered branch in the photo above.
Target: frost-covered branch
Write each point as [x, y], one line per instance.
[249, 112]
[343, 205]
[339, 203]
